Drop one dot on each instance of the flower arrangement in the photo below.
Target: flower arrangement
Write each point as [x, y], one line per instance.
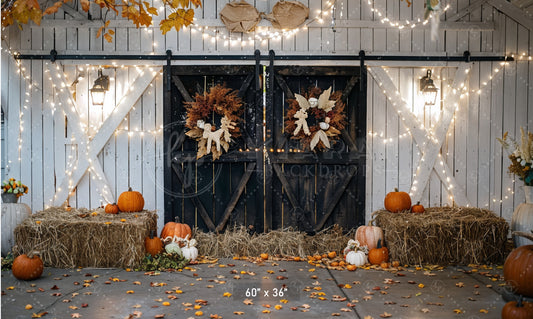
[12, 186]
[521, 156]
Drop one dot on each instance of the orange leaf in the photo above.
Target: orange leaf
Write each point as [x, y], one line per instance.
[85, 5]
[108, 37]
[99, 33]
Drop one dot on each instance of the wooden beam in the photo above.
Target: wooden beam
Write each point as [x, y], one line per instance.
[181, 88]
[463, 12]
[336, 197]
[513, 12]
[215, 23]
[235, 197]
[288, 189]
[194, 198]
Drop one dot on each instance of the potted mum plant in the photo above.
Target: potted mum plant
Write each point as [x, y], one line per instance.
[12, 190]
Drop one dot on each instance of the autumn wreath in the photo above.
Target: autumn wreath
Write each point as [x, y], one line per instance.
[324, 111]
[220, 104]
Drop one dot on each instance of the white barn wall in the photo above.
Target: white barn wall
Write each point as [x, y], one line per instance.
[470, 150]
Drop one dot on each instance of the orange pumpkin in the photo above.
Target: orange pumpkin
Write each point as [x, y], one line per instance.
[369, 236]
[176, 232]
[153, 244]
[378, 255]
[334, 264]
[397, 201]
[264, 256]
[332, 254]
[27, 267]
[518, 270]
[130, 201]
[418, 209]
[518, 310]
[111, 208]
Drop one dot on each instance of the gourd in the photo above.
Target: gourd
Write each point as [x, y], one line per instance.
[518, 270]
[27, 267]
[173, 248]
[130, 201]
[397, 201]
[357, 258]
[418, 208]
[153, 244]
[190, 251]
[111, 208]
[176, 232]
[369, 235]
[518, 310]
[378, 255]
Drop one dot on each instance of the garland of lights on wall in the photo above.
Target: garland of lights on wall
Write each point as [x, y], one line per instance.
[262, 34]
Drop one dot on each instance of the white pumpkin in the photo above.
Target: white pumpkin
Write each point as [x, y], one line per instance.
[190, 251]
[357, 258]
[173, 248]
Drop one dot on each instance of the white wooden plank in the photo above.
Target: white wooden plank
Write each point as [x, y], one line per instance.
[25, 136]
[148, 147]
[379, 177]
[83, 189]
[302, 37]
[513, 12]
[498, 167]
[472, 148]
[405, 144]
[380, 35]
[122, 139]
[417, 34]
[15, 99]
[405, 34]
[147, 40]
[521, 93]
[134, 40]
[392, 136]
[393, 35]
[434, 190]
[486, 36]
[159, 162]
[136, 146]
[328, 40]
[367, 35]
[48, 134]
[210, 12]
[484, 151]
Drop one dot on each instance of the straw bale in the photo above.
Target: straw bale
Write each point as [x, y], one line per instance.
[238, 241]
[444, 236]
[78, 238]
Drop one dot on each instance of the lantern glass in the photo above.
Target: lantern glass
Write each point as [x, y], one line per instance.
[428, 89]
[101, 85]
[98, 95]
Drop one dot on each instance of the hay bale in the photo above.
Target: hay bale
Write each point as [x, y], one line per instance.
[76, 238]
[444, 236]
[238, 241]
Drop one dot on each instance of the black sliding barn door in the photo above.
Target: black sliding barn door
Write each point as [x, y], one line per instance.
[205, 193]
[312, 190]
[260, 182]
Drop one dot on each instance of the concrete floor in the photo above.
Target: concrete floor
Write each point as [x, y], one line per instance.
[117, 293]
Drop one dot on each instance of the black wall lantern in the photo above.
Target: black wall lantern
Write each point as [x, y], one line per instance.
[101, 85]
[428, 89]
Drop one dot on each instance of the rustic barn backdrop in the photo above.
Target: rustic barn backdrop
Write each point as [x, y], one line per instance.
[38, 144]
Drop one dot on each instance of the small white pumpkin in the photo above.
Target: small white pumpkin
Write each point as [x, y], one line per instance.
[173, 248]
[190, 251]
[357, 258]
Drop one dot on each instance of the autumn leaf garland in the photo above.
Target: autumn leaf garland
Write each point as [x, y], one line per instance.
[181, 13]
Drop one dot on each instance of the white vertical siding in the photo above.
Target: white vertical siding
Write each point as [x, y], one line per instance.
[470, 148]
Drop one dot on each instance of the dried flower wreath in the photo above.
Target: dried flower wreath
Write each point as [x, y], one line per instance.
[326, 116]
[201, 120]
